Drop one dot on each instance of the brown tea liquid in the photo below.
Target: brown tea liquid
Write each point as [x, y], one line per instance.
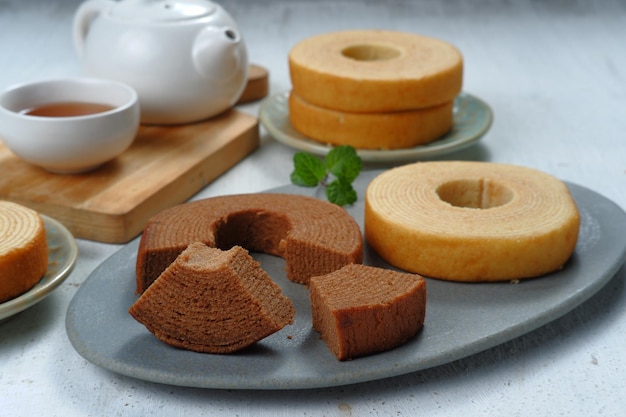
[68, 109]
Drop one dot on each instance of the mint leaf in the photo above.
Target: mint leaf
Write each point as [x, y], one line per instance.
[344, 163]
[341, 192]
[308, 171]
[341, 162]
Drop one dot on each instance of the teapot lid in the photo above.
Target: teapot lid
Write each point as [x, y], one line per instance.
[162, 10]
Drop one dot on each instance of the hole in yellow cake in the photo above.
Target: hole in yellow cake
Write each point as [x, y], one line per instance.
[370, 52]
[475, 193]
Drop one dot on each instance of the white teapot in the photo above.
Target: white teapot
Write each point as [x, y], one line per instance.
[185, 58]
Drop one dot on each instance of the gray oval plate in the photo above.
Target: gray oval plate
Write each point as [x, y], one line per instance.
[461, 319]
[472, 119]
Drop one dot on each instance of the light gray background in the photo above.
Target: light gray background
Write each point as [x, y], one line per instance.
[554, 73]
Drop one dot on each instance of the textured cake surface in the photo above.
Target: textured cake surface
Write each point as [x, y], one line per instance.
[313, 236]
[23, 249]
[367, 71]
[213, 301]
[360, 310]
[384, 130]
[471, 221]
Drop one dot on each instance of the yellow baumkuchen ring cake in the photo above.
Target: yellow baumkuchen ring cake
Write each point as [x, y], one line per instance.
[23, 249]
[375, 71]
[471, 221]
[393, 130]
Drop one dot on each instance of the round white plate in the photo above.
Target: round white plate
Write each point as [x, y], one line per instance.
[461, 319]
[472, 119]
[62, 253]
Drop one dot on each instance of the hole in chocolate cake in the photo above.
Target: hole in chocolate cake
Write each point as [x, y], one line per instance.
[258, 231]
[475, 193]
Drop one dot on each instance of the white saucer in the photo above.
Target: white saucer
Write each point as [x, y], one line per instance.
[472, 119]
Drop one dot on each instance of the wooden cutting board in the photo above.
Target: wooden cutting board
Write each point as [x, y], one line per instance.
[164, 166]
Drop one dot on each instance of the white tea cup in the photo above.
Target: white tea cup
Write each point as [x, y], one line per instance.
[69, 125]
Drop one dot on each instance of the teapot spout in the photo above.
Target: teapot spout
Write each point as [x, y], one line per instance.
[219, 52]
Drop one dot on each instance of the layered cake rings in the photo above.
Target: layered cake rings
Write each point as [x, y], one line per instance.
[23, 249]
[360, 310]
[202, 291]
[313, 236]
[368, 71]
[373, 89]
[213, 301]
[471, 221]
[391, 130]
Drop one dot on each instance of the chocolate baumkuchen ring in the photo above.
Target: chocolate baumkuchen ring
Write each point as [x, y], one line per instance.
[314, 236]
[375, 71]
[471, 221]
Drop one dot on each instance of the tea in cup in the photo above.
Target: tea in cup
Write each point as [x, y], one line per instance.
[69, 125]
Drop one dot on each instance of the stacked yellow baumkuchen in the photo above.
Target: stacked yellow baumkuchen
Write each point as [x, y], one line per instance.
[373, 89]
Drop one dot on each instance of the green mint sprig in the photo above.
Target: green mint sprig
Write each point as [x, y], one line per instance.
[336, 172]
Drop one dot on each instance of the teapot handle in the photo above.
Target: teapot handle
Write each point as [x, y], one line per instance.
[83, 17]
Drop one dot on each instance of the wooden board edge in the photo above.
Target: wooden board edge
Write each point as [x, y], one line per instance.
[123, 227]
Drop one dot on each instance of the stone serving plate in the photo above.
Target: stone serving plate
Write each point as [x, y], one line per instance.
[461, 319]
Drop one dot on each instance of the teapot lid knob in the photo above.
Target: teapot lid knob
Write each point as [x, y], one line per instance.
[162, 10]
